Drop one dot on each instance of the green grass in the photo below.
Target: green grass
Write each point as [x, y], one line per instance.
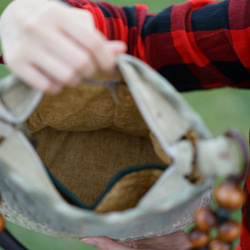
[221, 109]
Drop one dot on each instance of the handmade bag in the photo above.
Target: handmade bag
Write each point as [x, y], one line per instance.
[137, 161]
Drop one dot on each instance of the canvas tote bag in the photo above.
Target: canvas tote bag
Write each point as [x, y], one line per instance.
[122, 156]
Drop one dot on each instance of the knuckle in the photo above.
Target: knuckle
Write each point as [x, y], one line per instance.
[108, 65]
[83, 62]
[88, 72]
[32, 26]
[52, 8]
[89, 17]
[15, 59]
[46, 87]
[86, 15]
[132, 244]
[42, 83]
[96, 45]
[55, 90]
[11, 60]
[68, 76]
[44, 17]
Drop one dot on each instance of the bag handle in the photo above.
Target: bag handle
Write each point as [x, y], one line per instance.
[7, 240]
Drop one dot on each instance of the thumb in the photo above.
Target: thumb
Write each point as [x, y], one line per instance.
[117, 47]
[104, 243]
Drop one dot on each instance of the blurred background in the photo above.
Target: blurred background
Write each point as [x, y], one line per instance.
[221, 109]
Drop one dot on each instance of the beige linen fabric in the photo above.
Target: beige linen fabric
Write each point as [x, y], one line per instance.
[85, 138]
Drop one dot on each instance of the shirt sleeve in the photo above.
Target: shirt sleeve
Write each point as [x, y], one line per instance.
[199, 44]
[1, 59]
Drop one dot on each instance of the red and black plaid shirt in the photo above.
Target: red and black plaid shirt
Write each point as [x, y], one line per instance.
[200, 44]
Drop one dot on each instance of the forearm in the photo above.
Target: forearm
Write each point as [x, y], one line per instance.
[191, 45]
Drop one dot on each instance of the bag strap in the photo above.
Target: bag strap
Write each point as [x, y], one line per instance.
[7, 240]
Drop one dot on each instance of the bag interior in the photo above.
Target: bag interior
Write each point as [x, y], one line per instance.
[98, 152]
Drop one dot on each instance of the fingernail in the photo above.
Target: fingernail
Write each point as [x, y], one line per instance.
[89, 241]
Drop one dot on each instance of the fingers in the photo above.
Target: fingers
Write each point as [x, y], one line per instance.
[94, 43]
[34, 77]
[51, 44]
[175, 241]
[104, 243]
[62, 47]
[53, 68]
[117, 47]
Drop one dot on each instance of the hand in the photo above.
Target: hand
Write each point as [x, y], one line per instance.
[49, 44]
[176, 241]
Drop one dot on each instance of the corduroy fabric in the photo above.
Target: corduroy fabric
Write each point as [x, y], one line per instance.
[129, 190]
[85, 138]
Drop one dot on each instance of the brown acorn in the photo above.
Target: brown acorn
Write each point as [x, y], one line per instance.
[219, 245]
[229, 195]
[198, 238]
[205, 219]
[229, 231]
